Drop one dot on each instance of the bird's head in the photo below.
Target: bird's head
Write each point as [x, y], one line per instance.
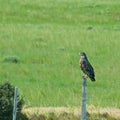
[83, 55]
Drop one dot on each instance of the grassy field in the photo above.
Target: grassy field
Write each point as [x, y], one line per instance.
[46, 36]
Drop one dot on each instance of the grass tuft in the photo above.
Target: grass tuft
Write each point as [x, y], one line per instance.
[12, 59]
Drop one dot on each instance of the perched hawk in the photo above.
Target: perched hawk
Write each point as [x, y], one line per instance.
[86, 66]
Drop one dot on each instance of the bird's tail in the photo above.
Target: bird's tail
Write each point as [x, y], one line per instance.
[93, 79]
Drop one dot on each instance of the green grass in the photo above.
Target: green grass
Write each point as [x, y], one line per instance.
[47, 36]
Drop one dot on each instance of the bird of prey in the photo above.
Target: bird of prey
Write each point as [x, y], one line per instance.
[86, 67]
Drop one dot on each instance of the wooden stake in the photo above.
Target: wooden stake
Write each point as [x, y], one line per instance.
[15, 103]
[84, 98]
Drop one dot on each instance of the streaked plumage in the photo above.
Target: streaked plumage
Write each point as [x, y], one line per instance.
[86, 67]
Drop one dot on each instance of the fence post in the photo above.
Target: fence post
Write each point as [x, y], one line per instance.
[84, 98]
[15, 103]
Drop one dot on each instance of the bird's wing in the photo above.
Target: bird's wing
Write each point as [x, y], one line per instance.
[90, 69]
[86, 67]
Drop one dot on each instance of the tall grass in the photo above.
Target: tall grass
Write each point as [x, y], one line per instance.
[47, 37]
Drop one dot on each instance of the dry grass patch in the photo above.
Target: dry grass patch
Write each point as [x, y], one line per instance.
[63, 113]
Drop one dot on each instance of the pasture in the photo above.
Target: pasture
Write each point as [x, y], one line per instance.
[46, 36]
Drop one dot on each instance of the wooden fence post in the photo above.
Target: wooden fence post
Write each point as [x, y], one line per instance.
[15, 103]
[84, 98]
